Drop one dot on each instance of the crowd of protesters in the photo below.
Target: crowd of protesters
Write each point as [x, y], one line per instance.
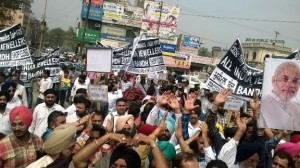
[143, 123]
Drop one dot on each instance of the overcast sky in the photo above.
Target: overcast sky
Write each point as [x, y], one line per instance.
[215, 31]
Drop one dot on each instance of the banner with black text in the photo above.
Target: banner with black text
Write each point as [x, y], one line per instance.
[147, 57]
[14, 50]
[35, 70]
[233, 72]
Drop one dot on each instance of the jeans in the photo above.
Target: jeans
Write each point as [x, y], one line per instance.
[62, 96]
[29, 91]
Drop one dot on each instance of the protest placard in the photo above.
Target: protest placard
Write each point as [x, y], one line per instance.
[121, 58]
[233, 72]
[98, 92]
[162, 76]
[147, 57]
[280, 106]
[14, 50]
[36, 69]
[233, 104]
[99, 59]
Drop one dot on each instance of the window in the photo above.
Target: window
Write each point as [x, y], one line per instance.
[254, 56]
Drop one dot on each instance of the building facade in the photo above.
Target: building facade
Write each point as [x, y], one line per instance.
[255, 53]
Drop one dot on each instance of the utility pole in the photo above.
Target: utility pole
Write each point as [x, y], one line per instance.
[161, 8]
[84, 29]
[42, 29]
[274, 42]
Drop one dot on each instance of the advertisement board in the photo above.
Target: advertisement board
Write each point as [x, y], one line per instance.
[122, 14]
[94, 14]
[91, 36]
[202, 60]
[159, 19]
[168, 49]
[183, 60]
[113, 30]
[190, 41]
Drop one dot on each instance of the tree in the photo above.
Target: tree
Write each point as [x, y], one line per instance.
[7, 9]
[55, 37]
[203, 52]
[70, 38]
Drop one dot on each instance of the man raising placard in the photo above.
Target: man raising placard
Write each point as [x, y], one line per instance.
[280, 107]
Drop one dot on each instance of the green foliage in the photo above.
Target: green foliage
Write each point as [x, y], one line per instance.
[70, 38]
[203, 52]
[58, 37]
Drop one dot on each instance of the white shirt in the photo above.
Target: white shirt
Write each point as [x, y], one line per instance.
[192, 130]
[44, 85]
[42, 162]
[228, 152]
[40, 118]
[71, 109]
[13, 103]
[277, 114]
[20, 90]
[125, 85]
[205, 105]
[108, 117]
[4, 122]
[72, 118]
[78, 85]
[112, 98]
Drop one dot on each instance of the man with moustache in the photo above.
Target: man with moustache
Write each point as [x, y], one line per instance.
[10, 88]
[42, 111]
[20, 148]
[82, 109]
[280, 109]
[4, 113]
[195, 123]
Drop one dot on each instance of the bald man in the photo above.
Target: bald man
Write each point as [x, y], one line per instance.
[280, 109]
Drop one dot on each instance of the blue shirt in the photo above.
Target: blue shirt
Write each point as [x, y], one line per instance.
[46, 134]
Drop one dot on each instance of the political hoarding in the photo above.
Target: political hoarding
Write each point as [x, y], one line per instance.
[159, 19]
[121, 14]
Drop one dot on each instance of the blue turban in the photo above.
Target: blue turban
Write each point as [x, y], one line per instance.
[7, 85]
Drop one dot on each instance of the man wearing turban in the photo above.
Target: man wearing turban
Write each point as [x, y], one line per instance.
[4, 113]
[58, 147]
[20, 148]
[125, 122]
[124, 157]
[10, 88]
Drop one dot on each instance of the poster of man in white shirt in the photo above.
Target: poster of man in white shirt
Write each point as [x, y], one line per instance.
[280, 106]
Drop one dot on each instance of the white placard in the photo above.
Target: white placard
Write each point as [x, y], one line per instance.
[233, 104]
[162, 76]
[98, 92]
[99, 59]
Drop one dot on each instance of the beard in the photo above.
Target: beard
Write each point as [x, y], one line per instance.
[49, 103]
[163, 138]
[2, 106]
